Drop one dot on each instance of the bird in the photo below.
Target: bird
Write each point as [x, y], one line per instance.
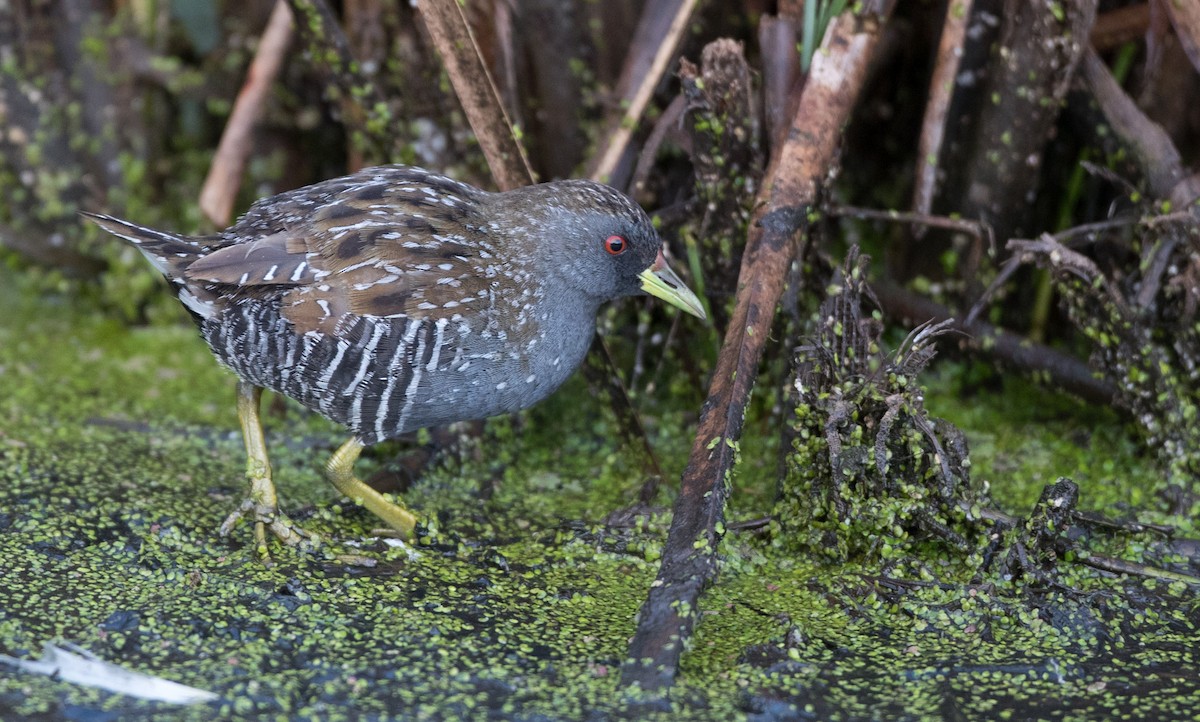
[396, 298]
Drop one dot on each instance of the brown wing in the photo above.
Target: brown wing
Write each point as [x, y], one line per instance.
[276, 260]
[401, 243]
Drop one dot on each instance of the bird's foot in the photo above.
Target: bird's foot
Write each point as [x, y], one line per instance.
[340, 472]
[268, 517]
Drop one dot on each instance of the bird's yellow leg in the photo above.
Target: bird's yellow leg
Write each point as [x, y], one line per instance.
[340, 472]
[262, 503]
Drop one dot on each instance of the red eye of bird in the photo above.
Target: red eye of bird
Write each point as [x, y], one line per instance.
[615, 245]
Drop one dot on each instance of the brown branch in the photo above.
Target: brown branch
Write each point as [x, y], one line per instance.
[1116, 27]
[617, 136]
[1155, 153]
[789, 191]
[225, 174]
[941, 91]
[980, 231]
[1185, 17]
[1122, 566]
[667, 125]
[480, 99]
[780, 67]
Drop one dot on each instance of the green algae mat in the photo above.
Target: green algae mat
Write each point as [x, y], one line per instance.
[120, 457]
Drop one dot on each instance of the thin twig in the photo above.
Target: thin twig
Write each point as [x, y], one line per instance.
[618, 138]
[1153, 149]
[225, 174]
[982, 232]
[451, 34]
[941, 90]
[1121, 566]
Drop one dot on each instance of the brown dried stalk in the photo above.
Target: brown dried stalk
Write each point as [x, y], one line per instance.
[1152, 148]
[1116, 27]
[617, 136]
[941, 91]
[225, 174]
[789, 191]
[473, 84]
[1185, 17]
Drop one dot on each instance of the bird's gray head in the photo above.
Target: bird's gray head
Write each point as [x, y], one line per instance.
[597, 241]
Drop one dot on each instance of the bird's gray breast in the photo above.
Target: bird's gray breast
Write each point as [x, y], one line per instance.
[478, 372]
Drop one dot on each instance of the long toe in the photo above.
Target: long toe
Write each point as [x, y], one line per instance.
[269, 518]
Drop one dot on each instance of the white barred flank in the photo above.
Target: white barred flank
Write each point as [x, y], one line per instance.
[369, 378]
[384, 400]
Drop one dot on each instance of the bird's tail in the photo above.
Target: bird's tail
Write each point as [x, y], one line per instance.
[170, 253]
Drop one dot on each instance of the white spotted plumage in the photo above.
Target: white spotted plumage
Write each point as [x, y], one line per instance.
[395, 298]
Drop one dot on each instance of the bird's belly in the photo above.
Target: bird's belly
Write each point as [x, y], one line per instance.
[384, 377]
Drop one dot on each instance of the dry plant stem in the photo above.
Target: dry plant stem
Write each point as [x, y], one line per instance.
[789, 191]
[617, 138]
[666, 124]
[1082, 233]
[1117, 27]
[480, 99]
[981, 232]
[941, 90]
[780, 66]
[1121, 566]
[1153, 149]
[1097, 561]
[1156, 156]
[225, 173]
[1185, 17]
[1065, 372]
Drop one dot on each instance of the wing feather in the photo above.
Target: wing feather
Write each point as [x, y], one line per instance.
[387, 242]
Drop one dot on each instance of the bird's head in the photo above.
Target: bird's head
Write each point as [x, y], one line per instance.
[596, 240]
